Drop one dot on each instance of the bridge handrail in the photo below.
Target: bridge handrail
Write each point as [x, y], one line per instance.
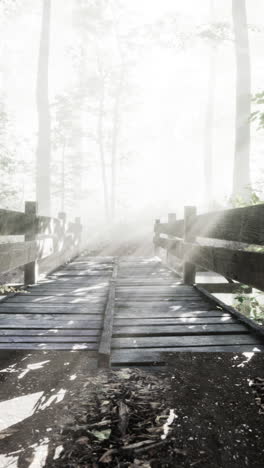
[227, 242]
[49, 242]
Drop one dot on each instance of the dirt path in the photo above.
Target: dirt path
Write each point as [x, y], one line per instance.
[200, 410]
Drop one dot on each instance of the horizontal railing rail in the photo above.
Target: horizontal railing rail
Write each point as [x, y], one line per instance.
[48, 242]
[195, 241]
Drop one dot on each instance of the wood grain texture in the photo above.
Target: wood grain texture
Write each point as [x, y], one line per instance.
[167, 330]
[104, 351]
[157, 356]
[243, 266]
[245, 225]
[178, 341]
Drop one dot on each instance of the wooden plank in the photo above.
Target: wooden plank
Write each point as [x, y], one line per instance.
[51, 339]
[243, 266]
[244, 225]
[73, 281]
[68, 287]
[169, 314]
[41, 318]
[161, 306]
[186, 301]
[151, 321]
[14, 223]
[225, 288]
[70, 273]
[28, 299]
[178, 341]
[52, 331]
[15, 308]
[155, 355]
[17, 254]
[183, 290]
[64, 293]
[91, 347]
[167, 330]
[49, 323]
[105, 341]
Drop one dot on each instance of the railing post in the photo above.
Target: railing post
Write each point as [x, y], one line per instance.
[156, 237]
[171, 219]
[31, 269]
[189, 269]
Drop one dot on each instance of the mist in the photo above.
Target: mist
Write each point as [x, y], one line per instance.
[121, 112]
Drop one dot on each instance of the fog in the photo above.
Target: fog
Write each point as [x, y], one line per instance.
[120, 111]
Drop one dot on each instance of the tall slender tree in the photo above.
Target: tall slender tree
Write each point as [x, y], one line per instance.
[44, 124]
[209, 117]
[241, 174]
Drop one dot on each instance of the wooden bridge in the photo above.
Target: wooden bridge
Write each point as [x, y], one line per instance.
[132, 310]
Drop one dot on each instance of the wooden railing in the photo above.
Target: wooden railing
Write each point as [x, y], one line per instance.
[227, 242]
[48, 242]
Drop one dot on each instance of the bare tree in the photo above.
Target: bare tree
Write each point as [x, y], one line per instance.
[241, 174]
[44, 124]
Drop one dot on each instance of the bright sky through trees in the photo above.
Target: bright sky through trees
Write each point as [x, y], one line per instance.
[161, 138]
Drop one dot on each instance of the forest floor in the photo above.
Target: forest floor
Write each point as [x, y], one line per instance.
[200, 410]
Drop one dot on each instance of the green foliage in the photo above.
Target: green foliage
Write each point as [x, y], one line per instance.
[254, 199]
[258, 115]
[4, 289]
[250, 306]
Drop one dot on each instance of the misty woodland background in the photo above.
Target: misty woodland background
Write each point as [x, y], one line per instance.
[118, 109]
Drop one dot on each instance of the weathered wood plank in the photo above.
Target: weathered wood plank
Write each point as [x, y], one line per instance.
[152, 321]
[44, 324]
[67, 300]
[91, 347]
[169, 313]
[17, 254]
[245, 225]
[178, 341]
[167, 330]
[73, 273]
[243, 266]
[161, 306]
[50, 332]
[225, 288]
[67, 288]
[64, 293]
[14, 223]
[94, 340]
[155, 355]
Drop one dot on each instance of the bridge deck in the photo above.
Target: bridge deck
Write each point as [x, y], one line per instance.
[152, 313]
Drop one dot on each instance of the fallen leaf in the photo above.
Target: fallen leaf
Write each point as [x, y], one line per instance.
[102, 435]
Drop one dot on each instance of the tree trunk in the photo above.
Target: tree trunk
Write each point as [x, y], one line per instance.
[116, 130]
[63, 177]
[209, 122]
[100, 137]
[241, 174]
[44, 137]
